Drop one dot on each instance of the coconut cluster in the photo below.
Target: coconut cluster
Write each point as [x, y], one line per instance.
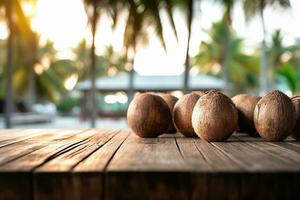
[214, 117]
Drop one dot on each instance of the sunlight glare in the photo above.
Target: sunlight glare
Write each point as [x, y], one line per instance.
[71, 82]
[55, 21]
[3, 31]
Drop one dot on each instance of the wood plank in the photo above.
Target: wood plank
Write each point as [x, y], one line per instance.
[251, 158]
[228, 177]
[98, 161]
[15, 176]
[192, 156]
[280, 181]
[99, 164]
[27, 146]
[288, 145]
[150, 154]
[149, 168]
[4, 132]
[68, 160]
[221, 182]
[157, 169]
[18, 135]
[276, 149]
[79, 171]
[294, 143]
[217, 160]
[15, 133]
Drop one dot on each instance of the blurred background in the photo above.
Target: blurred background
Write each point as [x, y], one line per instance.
[78, 63]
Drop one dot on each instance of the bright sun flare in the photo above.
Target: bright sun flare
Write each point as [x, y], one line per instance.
[55, 20]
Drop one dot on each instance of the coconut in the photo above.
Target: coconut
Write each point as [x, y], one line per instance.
[171, 101]
[148, 115]
[274, 116]
[214, 117]
[296, 130]
[245, 105]
[200, 92]
[182, 114]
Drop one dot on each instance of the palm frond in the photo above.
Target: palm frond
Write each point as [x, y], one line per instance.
[169, 4]
[152, 13]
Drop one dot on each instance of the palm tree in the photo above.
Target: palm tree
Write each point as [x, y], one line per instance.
[252, 8]
[110, 61]
[242, 67]
[190, 13]
[9, 72]
[49, 73]
[94, 8]
[227, 18]
[281, 54]
[135, 31]
[141, 14]
[285, 62]
[17, 23]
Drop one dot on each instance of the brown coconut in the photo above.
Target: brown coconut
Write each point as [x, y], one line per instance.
[296, 130]
[200, 92]
[245, 105]
[148, 115]
[214, 117]
[182, 114]
[274, 116]
[171, 101]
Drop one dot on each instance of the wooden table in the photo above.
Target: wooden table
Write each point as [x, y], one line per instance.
[114, 164]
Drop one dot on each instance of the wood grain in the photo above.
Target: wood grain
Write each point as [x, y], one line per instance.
[69, 171]
[32, 144]
[20, 158]
[114, 164]
[10, 137]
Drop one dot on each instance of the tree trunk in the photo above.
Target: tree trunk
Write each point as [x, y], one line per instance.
[31, 95]
[9, 69]
[131, 82]
[225, 58]
[94, 109]
[263, 76]
[187, 57]
[33, 60]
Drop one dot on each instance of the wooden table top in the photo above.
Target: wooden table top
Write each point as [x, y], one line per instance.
[115, 164]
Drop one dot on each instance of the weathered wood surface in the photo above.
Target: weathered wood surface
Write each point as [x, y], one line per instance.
[115, 164]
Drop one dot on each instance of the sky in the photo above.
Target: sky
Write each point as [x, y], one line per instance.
[66, 28]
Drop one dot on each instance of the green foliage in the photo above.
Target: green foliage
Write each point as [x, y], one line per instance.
[67, 103]
[109, 60]
[288, 73]
[243, 68]
[290, 76]
[49, 80]
[277, 49]
[285, 60]
[253, 7]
